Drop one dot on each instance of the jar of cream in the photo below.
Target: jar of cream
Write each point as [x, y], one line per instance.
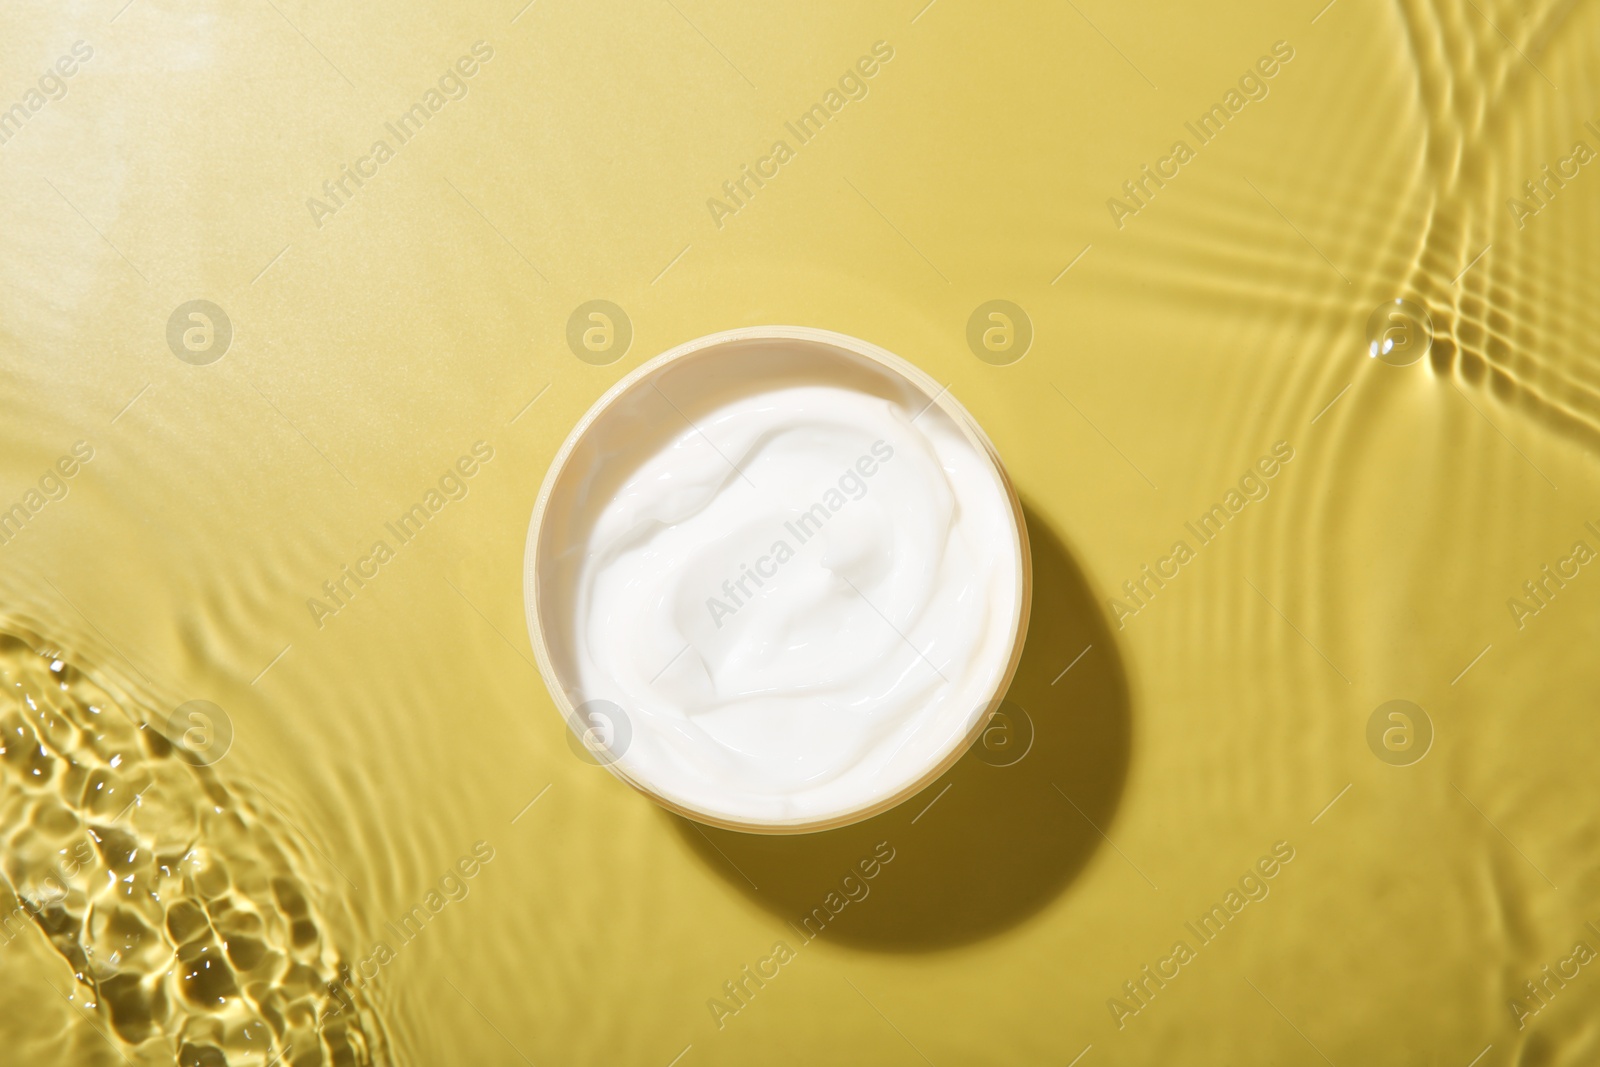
[777, 579]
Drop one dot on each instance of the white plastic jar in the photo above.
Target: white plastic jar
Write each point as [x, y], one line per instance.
[778, 579]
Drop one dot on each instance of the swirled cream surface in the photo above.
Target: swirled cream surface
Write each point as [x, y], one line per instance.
[798, 580]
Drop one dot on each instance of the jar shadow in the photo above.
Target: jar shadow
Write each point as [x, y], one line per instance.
[998, 836]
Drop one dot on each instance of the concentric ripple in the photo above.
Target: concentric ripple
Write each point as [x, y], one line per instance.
[182, 915]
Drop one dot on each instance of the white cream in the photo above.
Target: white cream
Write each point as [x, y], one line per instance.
[800, 584]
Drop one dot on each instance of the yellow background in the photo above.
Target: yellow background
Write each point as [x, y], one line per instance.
[1227, 315]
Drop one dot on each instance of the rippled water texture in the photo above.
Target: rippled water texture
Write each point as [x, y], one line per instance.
[1255, 542]
[184, 922]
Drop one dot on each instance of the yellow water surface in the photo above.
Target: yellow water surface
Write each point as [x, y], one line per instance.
[1281, 316]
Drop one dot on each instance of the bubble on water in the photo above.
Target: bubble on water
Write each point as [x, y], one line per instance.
[1399, 332]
